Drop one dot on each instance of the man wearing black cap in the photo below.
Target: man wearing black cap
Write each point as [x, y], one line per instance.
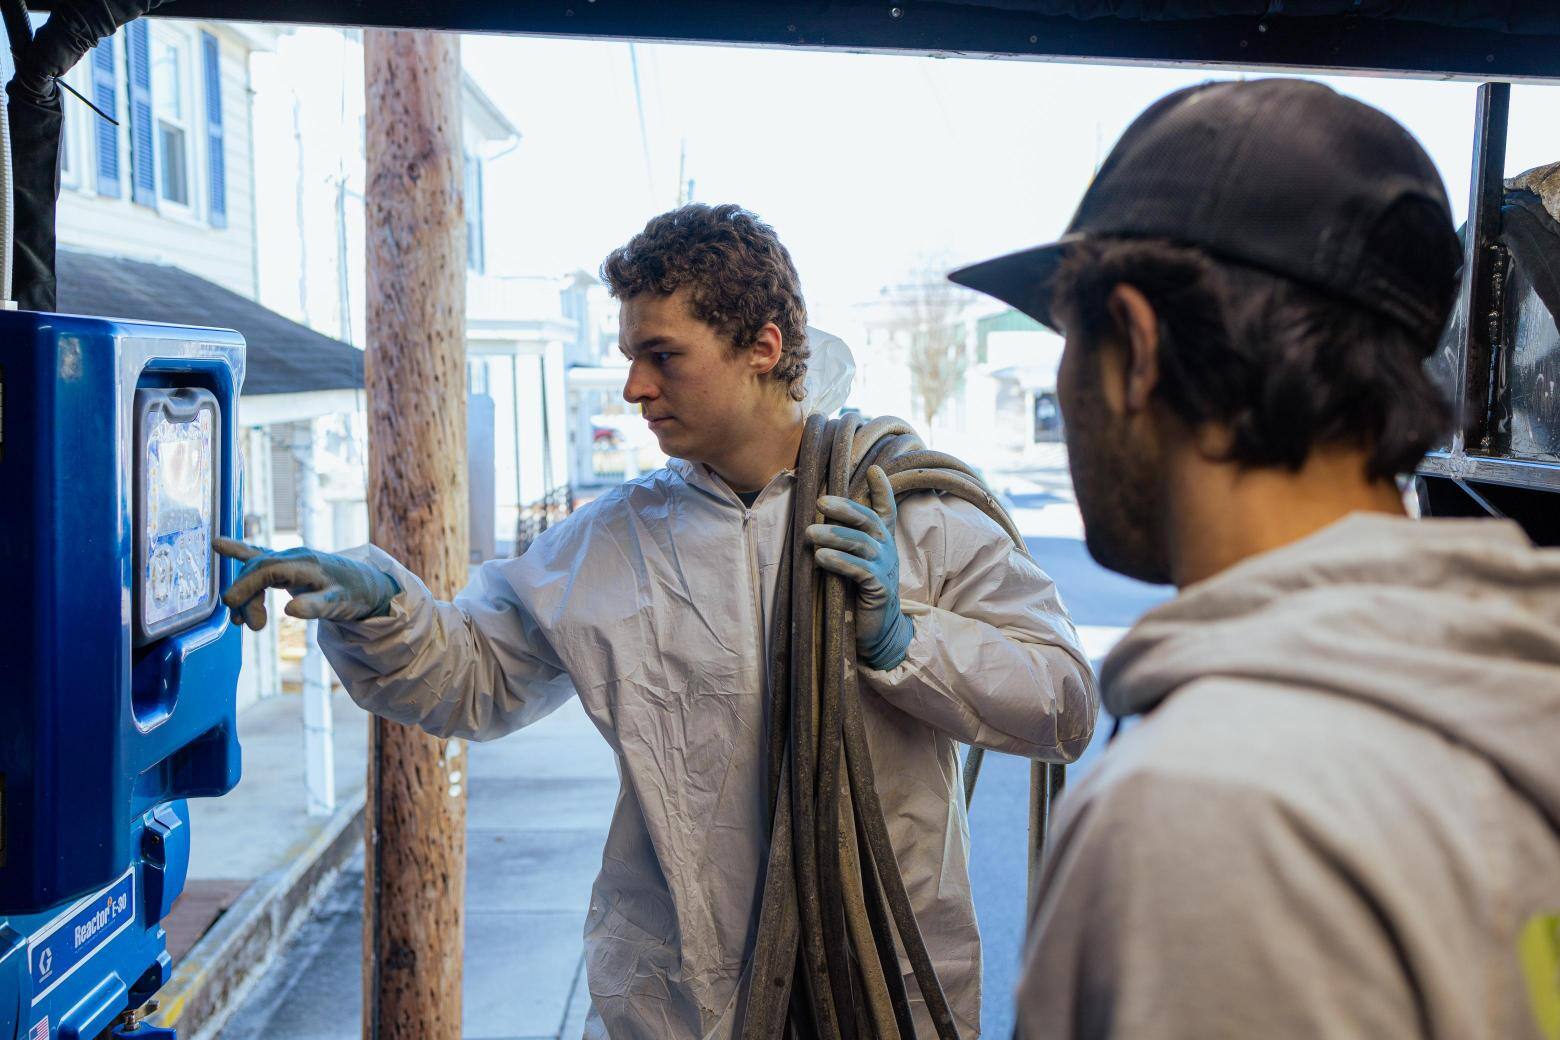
[1340, 814]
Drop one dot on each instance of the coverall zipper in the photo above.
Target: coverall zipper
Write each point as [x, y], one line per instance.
[758, 593]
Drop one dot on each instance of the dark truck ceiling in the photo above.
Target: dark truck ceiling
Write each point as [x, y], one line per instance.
[1479, 39]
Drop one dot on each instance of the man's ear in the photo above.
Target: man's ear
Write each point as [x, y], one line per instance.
[1138, 330]
[765, 352]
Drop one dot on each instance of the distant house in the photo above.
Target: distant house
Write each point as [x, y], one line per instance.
[1020, 357]
[309, 105]
[173, 182]
[608, 441]
[1004, 397]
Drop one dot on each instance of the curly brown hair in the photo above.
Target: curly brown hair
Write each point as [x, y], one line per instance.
[740, 275]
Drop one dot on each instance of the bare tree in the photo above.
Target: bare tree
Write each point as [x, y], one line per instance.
[927, 318]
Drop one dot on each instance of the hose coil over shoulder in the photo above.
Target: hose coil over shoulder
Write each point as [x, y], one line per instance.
[834, 911]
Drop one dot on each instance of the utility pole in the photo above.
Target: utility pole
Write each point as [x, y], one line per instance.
[416, 374]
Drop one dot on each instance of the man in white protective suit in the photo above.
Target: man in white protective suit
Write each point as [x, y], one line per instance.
[652, 604]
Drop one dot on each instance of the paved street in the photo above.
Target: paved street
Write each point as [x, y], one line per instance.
[540, 803]
[1102, 605]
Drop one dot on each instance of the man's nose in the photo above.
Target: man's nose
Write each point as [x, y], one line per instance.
[637, 389]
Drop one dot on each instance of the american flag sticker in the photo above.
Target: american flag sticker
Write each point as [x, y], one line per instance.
[40, 1031]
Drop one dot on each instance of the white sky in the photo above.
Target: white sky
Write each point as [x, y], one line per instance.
[865, 164]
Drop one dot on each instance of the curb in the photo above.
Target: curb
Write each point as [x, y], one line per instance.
[238, 948]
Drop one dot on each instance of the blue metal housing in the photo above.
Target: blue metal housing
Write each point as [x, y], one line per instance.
[71, 971]
[100, 740]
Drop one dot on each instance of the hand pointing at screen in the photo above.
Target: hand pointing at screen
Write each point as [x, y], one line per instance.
[323, 585]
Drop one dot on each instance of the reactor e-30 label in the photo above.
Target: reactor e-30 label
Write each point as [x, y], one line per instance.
[67, 942]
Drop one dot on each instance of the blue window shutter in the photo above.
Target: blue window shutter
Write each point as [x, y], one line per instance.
[216, 161]
[105, 94]
[143, 159]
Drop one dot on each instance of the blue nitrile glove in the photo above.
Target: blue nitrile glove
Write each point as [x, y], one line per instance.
[863, 551]
[323, 585]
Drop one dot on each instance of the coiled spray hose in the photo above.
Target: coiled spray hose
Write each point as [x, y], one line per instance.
[825, 962]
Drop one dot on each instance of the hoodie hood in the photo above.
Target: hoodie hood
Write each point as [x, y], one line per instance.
[1453, 624]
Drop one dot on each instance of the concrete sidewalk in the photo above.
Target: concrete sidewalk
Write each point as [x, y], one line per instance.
[242, 834]
[258, 861]
[540, 803]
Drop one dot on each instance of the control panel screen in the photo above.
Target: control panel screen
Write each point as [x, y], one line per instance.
[178, 470]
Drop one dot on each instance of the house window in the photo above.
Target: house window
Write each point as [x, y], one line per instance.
[172, 106]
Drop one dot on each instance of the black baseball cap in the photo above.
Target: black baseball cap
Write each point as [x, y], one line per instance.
[1283, 175]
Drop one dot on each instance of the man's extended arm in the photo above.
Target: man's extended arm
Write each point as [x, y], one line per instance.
[479, 667]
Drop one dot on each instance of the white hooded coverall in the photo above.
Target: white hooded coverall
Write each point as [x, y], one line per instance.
[653, 604]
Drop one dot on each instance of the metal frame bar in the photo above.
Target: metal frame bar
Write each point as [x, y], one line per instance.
[1480, 297]
[1344, 43]
[1533, 476]
[1046, 780]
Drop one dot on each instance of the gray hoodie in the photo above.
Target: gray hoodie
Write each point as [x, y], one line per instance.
[1340, 816]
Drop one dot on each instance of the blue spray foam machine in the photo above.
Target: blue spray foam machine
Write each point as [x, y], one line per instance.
[118, 666]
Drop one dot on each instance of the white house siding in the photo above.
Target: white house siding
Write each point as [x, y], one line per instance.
[308, 110]
[119, 227]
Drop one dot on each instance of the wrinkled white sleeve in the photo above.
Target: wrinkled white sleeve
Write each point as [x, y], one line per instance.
[478, 668]
[995, 660]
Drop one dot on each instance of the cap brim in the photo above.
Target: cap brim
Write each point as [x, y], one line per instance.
[1022, 280]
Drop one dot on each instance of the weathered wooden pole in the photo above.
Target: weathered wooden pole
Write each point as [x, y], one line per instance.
[415, 877]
